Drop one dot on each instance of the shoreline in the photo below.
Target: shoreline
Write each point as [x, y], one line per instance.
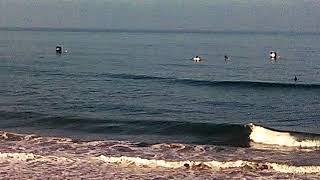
[32, 156]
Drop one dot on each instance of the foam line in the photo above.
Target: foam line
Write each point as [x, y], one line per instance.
[152, 163]
[32, 157]
[124, 160]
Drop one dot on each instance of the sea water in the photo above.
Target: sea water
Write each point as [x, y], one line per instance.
[132, 104]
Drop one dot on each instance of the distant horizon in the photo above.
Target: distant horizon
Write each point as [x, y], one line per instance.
[154, 30]
[188, 15]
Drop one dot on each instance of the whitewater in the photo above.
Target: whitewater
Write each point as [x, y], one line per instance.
[54, 157]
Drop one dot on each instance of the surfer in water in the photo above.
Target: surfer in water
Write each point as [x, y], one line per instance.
[295, 78]
[197, 58]
[226, 59]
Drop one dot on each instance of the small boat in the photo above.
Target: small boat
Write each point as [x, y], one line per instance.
[197, 59]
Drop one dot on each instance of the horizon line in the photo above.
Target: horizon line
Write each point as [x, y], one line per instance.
[177, 30]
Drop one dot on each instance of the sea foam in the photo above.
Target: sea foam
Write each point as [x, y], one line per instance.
[215, 165]
[31, 157]
[266, 136]
[169, 164]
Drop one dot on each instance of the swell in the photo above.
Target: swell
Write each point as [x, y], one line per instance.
[210, 83]
[173, 80]
[190, 132]
[177, 131]
[185, 132]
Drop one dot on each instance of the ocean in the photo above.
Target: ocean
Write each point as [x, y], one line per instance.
[131, 104]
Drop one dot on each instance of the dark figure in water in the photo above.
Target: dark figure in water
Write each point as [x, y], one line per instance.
[59, 49]
[295, 78]
[226, 59]
[273, 55]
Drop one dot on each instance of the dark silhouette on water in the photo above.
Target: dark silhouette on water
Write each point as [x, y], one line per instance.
[59, 49]
[295, 78]
[273, 55]
[226, 59]
[197, 58]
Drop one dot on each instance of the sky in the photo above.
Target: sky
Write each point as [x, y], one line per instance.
[214, 15]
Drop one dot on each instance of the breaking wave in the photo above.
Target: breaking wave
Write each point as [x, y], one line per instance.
[170, 131]
[263, 135]
[153, 163]
[34, 153]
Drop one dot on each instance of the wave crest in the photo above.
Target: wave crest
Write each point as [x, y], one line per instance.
[272, 137]
[212, 83]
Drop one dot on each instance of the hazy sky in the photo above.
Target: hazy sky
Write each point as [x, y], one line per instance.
[216, 15]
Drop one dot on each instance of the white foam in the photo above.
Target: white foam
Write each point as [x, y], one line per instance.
[18, 156]
[266, 136]
[153, 163]
[294, 169]
[31, 157]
